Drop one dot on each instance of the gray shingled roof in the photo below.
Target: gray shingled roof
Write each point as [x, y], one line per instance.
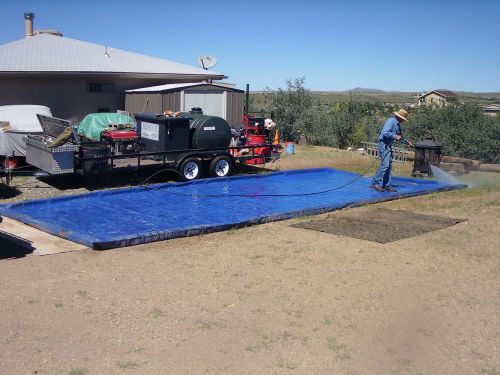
[46, 53]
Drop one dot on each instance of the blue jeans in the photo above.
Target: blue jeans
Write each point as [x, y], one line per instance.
[383, 175]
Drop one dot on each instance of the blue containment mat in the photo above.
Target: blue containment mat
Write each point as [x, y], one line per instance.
[131, 216]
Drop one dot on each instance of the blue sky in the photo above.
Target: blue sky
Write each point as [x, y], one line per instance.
[336, 45]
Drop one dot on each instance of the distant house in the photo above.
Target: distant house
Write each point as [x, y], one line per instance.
[74, 78]
[438, 98]
[491, 109]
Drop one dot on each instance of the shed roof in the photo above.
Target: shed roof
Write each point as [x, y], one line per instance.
[51, 54]
[442, 93]
[177, 86]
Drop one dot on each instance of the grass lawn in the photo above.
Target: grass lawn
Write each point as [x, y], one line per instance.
[269, 299]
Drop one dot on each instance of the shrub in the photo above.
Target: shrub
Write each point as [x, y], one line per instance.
[318, 126]
[287, 106]
[353, 123]
[464, 130]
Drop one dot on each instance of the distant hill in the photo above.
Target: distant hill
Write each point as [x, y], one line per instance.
[360, 94]
[493, 96]
[362, 90]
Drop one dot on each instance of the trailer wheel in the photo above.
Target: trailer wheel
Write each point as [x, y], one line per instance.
[190, 169]
[220, 166]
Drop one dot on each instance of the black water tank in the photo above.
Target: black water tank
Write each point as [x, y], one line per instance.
[160, 133]
[208, 131]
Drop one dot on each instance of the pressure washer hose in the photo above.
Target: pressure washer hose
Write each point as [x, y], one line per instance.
[261, 195]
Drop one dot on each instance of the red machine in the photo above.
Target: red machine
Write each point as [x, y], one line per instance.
[254, 133]
[123, 141]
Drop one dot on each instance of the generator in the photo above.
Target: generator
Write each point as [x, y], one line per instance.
[121, 142]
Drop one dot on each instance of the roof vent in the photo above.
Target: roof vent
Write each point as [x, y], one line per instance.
[28, 23]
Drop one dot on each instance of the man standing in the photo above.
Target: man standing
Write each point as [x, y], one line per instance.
[391, 132]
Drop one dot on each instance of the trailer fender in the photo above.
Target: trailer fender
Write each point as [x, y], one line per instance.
[182, 158]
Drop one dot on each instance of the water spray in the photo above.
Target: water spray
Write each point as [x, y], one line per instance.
[443, 176]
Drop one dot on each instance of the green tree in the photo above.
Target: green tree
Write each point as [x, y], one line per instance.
[288, 105]
[318, 126]
[464, 130]
[349, 123]
[361, 131]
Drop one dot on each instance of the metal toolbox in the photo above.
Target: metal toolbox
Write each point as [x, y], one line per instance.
[55, 160]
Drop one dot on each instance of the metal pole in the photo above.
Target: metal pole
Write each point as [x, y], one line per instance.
[247, 98]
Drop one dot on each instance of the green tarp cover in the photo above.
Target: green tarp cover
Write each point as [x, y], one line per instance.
[93, 124]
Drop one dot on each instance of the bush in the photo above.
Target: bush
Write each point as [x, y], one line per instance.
[464, 130]
[318, 126]
[287, 106]
[354, 123]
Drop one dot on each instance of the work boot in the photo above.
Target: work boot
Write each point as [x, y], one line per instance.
[390, 189]
[377, 188]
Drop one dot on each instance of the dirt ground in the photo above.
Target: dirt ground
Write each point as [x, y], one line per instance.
[268, 299]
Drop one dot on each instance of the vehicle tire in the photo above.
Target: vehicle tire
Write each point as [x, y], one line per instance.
[220, 166]
[190, 169]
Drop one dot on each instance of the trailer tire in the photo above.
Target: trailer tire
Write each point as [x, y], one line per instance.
[220, 166]
[190, 169]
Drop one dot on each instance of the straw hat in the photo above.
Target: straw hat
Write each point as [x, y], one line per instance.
[402, 114]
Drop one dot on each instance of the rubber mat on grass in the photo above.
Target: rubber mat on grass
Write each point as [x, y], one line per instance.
[380, 225]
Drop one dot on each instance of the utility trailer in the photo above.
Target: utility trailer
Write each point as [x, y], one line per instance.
[159, 143]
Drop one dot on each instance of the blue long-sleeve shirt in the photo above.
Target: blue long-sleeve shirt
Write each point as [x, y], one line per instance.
[390, 130]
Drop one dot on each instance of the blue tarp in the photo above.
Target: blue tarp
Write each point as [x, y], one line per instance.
[130, 216]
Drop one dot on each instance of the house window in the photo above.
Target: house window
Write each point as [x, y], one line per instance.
[101, 87]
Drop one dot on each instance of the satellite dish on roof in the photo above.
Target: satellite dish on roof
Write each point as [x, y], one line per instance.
[207, 62]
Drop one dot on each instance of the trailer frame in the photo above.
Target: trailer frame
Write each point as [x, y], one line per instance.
[146, 159]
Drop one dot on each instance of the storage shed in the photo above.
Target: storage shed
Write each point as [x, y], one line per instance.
[215, 99]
